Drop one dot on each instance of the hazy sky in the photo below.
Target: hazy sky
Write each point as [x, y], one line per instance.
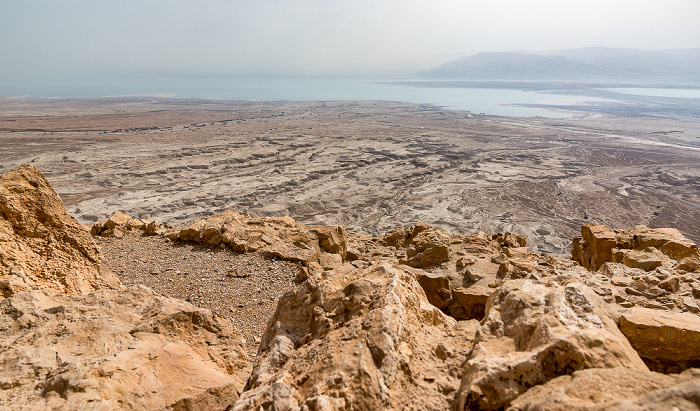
[317, 37]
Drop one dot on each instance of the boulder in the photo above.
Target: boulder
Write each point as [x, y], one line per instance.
[436, 287]
[666, 341]
[41, 245]
[641, 247]
[358, 339]
[533, 333]
[614, 389]
[594, 247]
[116, 349]
[469, 303]
[332, 239]
[424, 245]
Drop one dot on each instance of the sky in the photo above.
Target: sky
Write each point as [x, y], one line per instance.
[362, 38]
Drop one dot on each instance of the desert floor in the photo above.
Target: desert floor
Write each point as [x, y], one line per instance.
[371, 166]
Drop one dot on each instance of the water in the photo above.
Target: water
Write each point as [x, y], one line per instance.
[502, 102]
[658, 92]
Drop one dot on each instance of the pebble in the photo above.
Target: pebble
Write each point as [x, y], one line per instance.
[248, 297]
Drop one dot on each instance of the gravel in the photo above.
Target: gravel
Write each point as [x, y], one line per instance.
[244, 288]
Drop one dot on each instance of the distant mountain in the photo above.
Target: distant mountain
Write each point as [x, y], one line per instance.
[584, 64]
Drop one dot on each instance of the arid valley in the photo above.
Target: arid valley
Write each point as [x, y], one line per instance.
[370, 166]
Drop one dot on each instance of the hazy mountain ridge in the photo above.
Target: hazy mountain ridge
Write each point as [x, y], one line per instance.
[592, 63]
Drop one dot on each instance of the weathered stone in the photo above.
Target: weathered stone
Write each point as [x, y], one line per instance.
[594, 247]
[613, 389]
[532, 334]
[330, 261]
[437, 288]
[126, 349]
[667, 341]
[47, 247]
[688, 264]
[333, 239]
[425, 246]
[358, 339]
[469, 303]
[644, 260]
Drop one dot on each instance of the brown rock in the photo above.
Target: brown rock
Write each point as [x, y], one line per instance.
[594, 246]
[667, 341]
[647, 261]
[333, 239]
[42, 243]
[469, 303]
[437, 288]
[532, 334]
[613, 389]
[424, 245]
[358, 339]
[137, 351]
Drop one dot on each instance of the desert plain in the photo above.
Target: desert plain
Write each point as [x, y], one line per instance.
[371, 166]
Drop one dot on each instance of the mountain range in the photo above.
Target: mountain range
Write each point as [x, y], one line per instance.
[583, 64]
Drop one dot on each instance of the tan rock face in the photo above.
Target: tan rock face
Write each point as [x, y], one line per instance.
[667, 341]
[424, 245]
[127, 349]
[613, 389]
[641, 247]
[532, 334]
[359, 339]
[41, 245]
[277, 237]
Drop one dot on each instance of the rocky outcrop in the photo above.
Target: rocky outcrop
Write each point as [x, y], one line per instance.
[359, 339]
[667, 341]
[41, 245]
[116, 349]
[314, 247]
[72, 338]
[119, 224]
[642, 267]
[614, 389]
[532, 334]
[641, 247]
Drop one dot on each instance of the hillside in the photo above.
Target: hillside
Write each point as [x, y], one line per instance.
[585, 64]
[417, 318]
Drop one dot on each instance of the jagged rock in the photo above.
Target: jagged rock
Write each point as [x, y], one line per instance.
[358, 339]
[532, 334]
[437, 288]
[41, 245]
[598, 244]
[424, 245]
[333, 239]
[276, 237]
[614, 389]
[646, 260]
[119, 224]
[667, 341]
[116, 349]
[469, 303]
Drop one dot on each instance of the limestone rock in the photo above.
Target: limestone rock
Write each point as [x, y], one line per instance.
[667, 341]
[598, 244]
[41, 245]
[358, 339]
[437, 288]
[425, 245]
[469, 303]
[126, 349]
[614, 389]
[532, 334]
[119, 224]
[276, 237]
